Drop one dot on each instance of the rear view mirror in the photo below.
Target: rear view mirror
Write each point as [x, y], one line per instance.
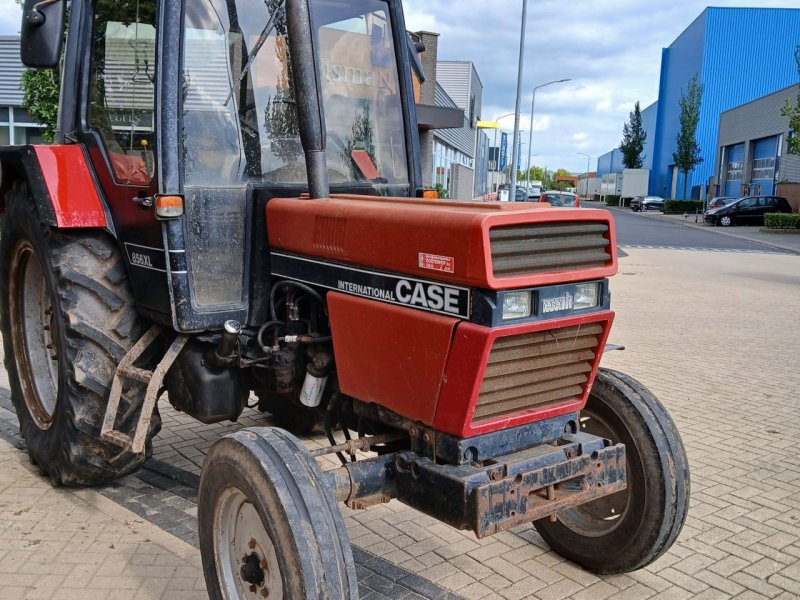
[42, 32]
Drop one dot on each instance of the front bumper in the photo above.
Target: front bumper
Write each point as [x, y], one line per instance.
[513, 489]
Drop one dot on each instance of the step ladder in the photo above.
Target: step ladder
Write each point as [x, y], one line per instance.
[154, 380]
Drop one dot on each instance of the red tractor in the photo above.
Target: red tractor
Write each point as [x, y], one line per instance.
[233, 206]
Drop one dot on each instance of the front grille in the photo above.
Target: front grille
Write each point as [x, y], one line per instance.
[536, 369]
[542, 247]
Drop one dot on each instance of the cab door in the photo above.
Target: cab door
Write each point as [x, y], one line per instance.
[117, 126]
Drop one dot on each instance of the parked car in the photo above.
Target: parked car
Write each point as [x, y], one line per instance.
[749, 210]
[520, 194]
[636, 203]
[720, 201]
[656, 202]
[561, 199]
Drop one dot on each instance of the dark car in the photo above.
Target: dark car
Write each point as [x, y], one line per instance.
[720, 201]
[656, 202]
[636, 203]
[561, 199]
[749, 210]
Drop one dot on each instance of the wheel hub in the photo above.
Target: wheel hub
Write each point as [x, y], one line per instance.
[251, 570]
[246, 557]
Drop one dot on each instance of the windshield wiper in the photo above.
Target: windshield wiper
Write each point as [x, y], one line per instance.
[251, 57]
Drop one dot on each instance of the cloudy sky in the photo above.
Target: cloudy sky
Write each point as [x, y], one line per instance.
[611, 49]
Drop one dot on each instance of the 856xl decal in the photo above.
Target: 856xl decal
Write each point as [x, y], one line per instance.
[396, 289]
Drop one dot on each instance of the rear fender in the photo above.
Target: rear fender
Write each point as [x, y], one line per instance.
[61, 184]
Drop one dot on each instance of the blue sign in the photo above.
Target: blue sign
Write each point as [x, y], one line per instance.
[503, 150]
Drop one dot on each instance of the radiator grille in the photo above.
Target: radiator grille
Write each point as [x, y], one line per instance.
[537, 369]
[542, 247]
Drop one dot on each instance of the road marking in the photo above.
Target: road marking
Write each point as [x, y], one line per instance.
[696, 249]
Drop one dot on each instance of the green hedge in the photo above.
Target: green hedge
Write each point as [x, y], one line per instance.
[683, 206]
[614, 201]
[782, 220]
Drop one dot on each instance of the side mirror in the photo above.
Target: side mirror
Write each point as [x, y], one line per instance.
[42, 32]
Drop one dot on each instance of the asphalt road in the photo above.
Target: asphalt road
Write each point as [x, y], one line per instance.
[637, 230]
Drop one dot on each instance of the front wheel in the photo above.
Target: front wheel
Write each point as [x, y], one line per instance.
[269, 526]
[630, 529]
[725, 221]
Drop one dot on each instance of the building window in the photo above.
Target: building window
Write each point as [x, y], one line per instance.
[17, 127]
[735, 170]
[764, 168]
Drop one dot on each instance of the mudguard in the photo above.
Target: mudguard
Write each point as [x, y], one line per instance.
[60, 181]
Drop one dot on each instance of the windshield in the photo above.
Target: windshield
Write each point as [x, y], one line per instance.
[561, 199]
[240, 130]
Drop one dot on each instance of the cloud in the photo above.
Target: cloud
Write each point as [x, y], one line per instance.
[610, 49]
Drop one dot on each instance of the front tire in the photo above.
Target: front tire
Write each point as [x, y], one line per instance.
[269, 523]
[630, 529]
[725, 221]
[68, 317]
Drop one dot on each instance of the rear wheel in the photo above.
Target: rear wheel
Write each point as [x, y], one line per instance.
[630, 529]
[67, 319]
[269, 526]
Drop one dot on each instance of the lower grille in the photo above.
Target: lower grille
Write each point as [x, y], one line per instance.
[537, 369]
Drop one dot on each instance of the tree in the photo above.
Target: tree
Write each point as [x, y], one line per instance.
[40, 88]
[793, 112]
[687, 155]
[633, 138]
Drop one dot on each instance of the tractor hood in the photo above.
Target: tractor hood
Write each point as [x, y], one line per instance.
[490, 245]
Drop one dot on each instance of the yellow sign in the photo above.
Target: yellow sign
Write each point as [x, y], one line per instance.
[488, 125]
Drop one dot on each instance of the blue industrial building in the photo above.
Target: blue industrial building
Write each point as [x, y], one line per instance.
[739, 55]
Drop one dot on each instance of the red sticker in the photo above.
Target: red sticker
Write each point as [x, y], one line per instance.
[436, 263]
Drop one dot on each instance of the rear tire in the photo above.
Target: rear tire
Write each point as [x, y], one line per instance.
[268, 522]
[68, 317]
[630, 529]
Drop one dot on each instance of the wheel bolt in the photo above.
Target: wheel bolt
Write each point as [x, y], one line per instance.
[252, 543]
[265, 593]
[252, 588]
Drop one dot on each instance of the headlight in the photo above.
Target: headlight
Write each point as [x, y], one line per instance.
[516, 305]
[587, 295]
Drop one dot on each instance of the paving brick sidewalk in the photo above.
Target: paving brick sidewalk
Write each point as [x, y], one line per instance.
[76, 544]
[717, 338]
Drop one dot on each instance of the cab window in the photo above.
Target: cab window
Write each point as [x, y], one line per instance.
[121, 98]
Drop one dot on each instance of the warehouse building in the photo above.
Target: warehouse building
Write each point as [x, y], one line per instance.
[739, 55]
[752, 154]
[16, 125]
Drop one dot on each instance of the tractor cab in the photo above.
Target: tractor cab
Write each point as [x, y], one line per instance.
[195, 114]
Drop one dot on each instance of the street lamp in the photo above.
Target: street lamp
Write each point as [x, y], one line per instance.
[588, 160]
[533, 101]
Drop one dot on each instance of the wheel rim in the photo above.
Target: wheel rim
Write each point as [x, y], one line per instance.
[602, 516]
[33, 335]
[246, 559]
[725, 221]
